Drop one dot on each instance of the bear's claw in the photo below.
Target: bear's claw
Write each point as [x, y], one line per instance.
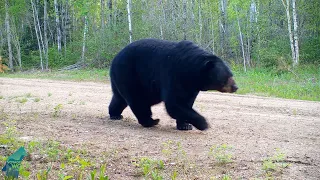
[184, 127]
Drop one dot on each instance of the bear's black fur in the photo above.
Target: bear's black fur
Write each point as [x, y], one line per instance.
[149, 71]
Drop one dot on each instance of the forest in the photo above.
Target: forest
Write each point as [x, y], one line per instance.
[54, 34]
[55, 90]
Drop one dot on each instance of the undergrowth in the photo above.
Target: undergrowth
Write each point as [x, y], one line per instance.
[299, 83]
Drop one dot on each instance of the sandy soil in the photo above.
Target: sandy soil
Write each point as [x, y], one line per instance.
[253, 126]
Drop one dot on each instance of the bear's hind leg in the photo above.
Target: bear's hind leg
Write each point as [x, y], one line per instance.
[117, 105]
[182, 125]
[143, 113]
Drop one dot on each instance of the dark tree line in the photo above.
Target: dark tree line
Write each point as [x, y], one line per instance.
[47, 34]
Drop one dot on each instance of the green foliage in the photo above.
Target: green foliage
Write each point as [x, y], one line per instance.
[301, 83]
[57, 110]
[36, 99]
[276, 163]
[221, 153]
[264, 30]
[150, 168]
[10, 138]
[22, 100]
[43, 175]
[77, 75]
[102, 175]
[226, 177]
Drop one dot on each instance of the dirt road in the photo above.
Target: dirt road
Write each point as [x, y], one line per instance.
[254, 126]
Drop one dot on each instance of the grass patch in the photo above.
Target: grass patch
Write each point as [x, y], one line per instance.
[22, 100]
[302, 83]
[221, 154]
[99, 75]
[49, 158]
[36, 99]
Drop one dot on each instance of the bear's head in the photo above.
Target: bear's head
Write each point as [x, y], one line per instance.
[217, 76]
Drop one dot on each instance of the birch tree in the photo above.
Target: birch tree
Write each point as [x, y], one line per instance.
[36, 27]
[286, 4]
[8, 31]
[200, 22]
[110, 12]
[241, 40]
[84, 38]
[102, 14]
[184, 19]
[129, 19]
[57, 25]
[45, 29]
[16, 42]
[295, 33]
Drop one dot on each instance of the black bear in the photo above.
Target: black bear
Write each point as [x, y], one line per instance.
[149, 71]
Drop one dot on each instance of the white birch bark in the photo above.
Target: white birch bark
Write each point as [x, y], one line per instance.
[102, 14]
[64, 20]
[212, 33]
[295, 33]
[58, 25]
[84, 38]
[241, 41]
[200, 23]
[16, 42]
[287, 7]
[184, 16]
[110, 12]
[37, 33]
[129, 19]
[39, 29]
[45, 29]
[7, 22]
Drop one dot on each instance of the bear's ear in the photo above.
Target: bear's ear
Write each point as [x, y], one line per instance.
[208, 65]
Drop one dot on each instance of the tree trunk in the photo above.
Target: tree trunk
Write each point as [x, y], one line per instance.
[241, 41]
[184, 19]
[295, 33]
[84, 39]
[200, 23]
[193, 18]
[129, 19]
[102, 14]
[1, 41]
[64, 26]
[286, 6]
[110, 12]
[222, 28]
[58, 25]
[7, 22]
[39, 30]
[45, 29]
[212, 33]
[37, 33]
[16, 42]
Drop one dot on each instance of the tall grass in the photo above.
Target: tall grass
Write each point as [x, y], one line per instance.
[301, 83]
[99, 75]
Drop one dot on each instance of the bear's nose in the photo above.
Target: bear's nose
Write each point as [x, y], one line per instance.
[234, 88]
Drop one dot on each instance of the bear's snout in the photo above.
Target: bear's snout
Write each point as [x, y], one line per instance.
[234, 88]
[230, 87]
